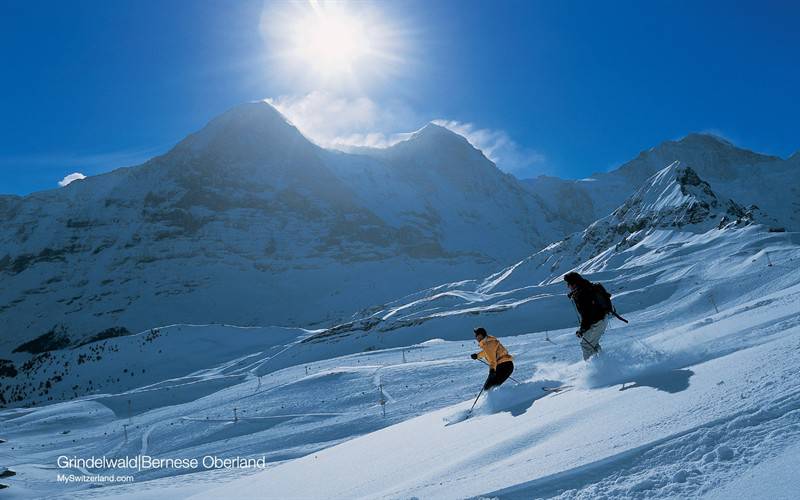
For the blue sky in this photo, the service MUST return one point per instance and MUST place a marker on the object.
(564, 88)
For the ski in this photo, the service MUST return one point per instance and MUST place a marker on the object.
(556, 389)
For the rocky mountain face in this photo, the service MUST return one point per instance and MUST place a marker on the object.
(751, 178)
(674, 200)
(248, 222)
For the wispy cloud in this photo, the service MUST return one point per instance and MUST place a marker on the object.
(75, 176)
(498, 147)
(341, 122)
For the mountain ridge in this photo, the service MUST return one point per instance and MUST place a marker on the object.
(734, 171)
(246, 221)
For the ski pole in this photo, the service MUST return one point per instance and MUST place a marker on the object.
(512, 378)
(476, 400)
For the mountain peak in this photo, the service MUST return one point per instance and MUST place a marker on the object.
(694, 142)
(676, 171)
(245, 130)
(676, 196)
(432, 128)
(435, 141)
(258, 110)
(434, 132)
(708, 147)
(705, 139)
(710, 155)
(673, 186)
(257, 117)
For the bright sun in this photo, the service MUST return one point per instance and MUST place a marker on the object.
(331, 43)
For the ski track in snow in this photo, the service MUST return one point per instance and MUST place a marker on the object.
(146, 438)
(680, 466)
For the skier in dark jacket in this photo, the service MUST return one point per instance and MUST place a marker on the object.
(584, 295)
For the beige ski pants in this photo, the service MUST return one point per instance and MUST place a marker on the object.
(590, 342)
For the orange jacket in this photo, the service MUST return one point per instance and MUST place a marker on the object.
(493, 351)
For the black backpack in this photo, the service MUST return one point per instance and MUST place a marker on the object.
(603, 301)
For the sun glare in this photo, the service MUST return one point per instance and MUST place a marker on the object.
(332, 42)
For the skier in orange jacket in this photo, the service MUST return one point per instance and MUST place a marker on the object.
(497, 357)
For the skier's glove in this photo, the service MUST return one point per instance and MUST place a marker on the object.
(579, 333)
(473, 356)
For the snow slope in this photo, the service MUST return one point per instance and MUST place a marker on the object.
(707, 364)
(678, 432)
(145, 360)
(694, 392)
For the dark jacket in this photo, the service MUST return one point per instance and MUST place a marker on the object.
(585, 299)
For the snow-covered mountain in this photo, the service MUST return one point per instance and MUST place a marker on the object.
(672, 204)
(248, 222)
(673, 198)
(672, 209)
(767, 182)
